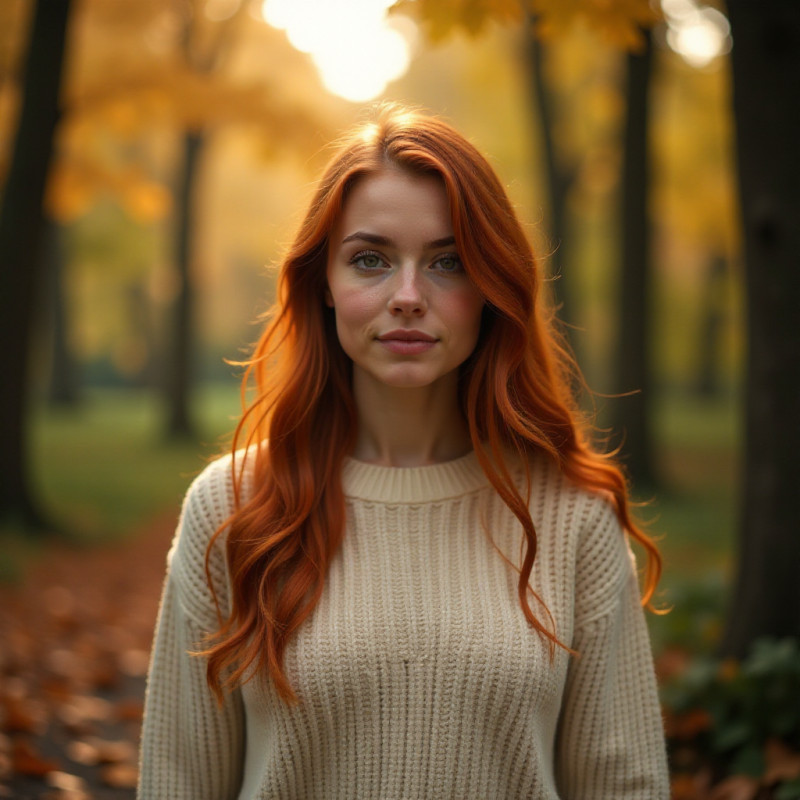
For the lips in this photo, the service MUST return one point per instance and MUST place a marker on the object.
(404, 335)
(404, 342)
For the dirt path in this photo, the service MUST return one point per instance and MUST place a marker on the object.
(74, 647)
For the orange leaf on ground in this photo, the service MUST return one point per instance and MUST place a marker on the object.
(26, 760)
(120, 776)
(134, 662)
(82, 753)
(129, 710)
(672, 661)
(688, 724)
(783, 763)
(86, 708)
(104, 674)
(683, 788)
(5, 763)
(55, 689)
(691, 786)
(60, 602)
(65, 781)
(737, 787)
(21, 715)
(66, 794)
(111, 752)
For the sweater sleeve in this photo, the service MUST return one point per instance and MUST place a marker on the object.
(191, 746)
(610, 738)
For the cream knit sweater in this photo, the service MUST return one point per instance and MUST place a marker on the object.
(417, 672)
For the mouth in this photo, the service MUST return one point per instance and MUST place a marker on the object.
(404, 335)
(403, 342)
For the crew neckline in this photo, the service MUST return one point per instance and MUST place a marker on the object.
(422, 484)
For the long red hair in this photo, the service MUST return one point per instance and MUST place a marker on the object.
(517, 395)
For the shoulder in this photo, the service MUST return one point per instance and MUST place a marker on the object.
(606, 564)
(568, 506)
(208, 503)
(585, 527)
(209, 499)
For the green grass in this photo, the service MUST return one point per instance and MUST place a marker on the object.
(695, 514)
(104, 468)
(699, 463)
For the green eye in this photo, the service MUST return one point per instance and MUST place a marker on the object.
(449, 264)
(367, 261)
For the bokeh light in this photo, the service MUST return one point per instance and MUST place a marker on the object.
(354, 45)
(697, 34)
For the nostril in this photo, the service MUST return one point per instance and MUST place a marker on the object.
(407, 306)
(407, 300)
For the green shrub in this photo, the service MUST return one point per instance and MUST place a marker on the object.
(733, 718)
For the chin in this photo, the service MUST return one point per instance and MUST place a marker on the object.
(397, 382)
(408, 378)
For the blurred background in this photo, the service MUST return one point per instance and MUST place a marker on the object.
(183, 142)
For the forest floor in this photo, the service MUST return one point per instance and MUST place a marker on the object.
(75, 638)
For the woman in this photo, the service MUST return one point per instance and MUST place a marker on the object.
(412, 581)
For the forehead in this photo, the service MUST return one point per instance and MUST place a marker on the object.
(394, 201)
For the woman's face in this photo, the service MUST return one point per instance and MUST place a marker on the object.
(406, 312)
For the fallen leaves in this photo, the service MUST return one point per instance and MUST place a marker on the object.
(26, 759)
(93, 750)
(782, 766)
(20, 714)
(66, 782)
(733, 726)
(688, 724)
(783, 763)
(66, 787)
(691, 786)
(74, 650)
(121, 776)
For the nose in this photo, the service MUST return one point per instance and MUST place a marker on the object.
(407, 296)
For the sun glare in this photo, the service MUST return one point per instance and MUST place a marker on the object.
(355, 47)
(697, 34)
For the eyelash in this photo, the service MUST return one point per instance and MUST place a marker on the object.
(364, 253)
(453, 257)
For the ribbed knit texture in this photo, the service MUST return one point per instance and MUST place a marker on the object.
(418, 674)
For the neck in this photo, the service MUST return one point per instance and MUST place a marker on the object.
(409, 427)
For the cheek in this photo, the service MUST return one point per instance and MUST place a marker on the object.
(354, 308)
(463, 310)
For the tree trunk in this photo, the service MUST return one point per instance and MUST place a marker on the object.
(62, 390)
(709, 379)
(766, 96)
(20, 262)
(179, 362)
(558, 179)
(633, 413)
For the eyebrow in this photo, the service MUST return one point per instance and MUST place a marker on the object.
(374, 238)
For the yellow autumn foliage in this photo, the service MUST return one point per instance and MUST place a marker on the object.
(70, 192)
(145, 200)
(617, 22)
(75, 185)
(692, 141)
(138, 76)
